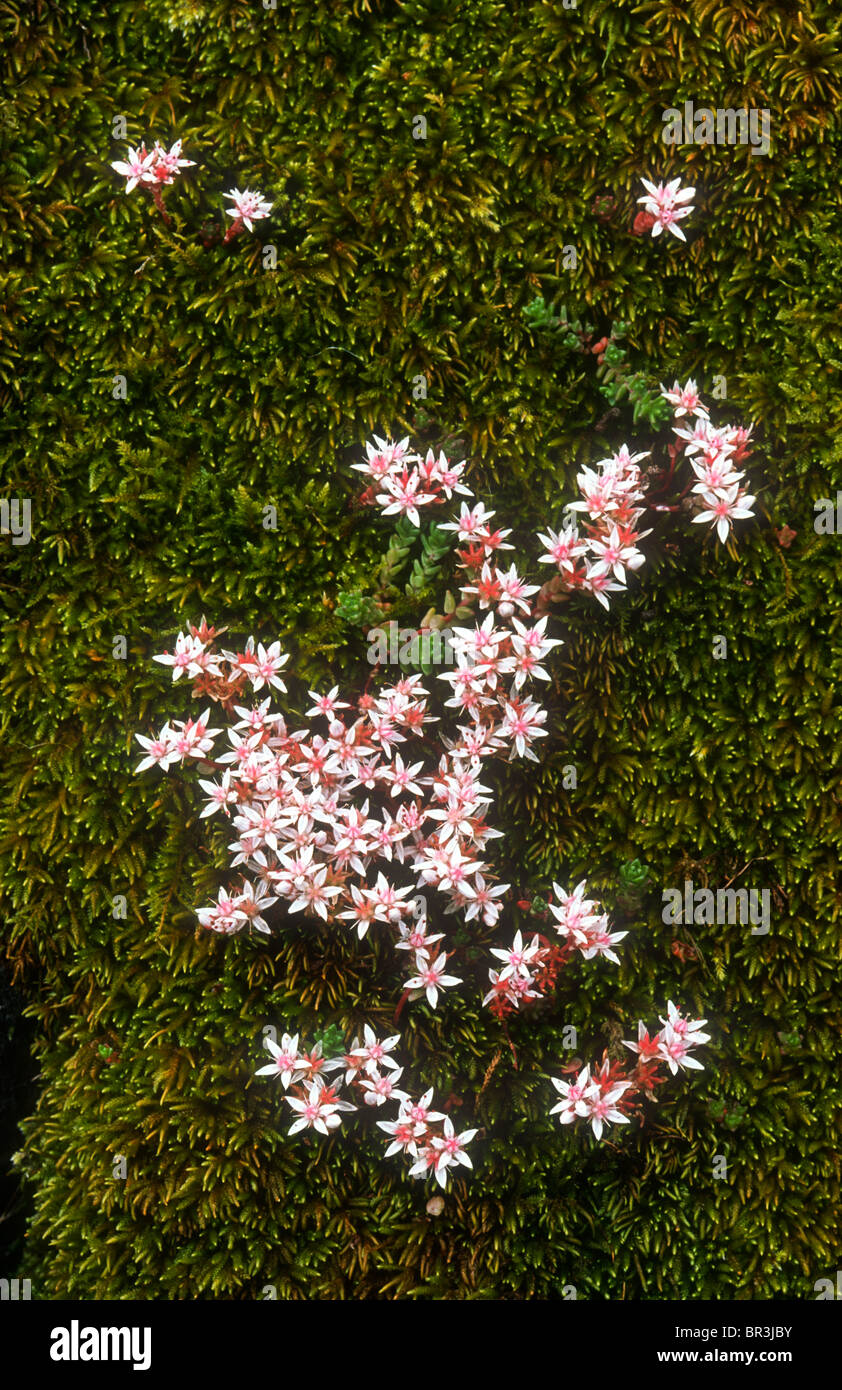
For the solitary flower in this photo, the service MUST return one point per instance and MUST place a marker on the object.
(646, 1048)
(186, 657)
(160, 751)
(571, 1093)
(266, 665)
(451, 1149)
(166, 164)
(675, 1049)
(517, 960)
(431, 978)
(402, 496)
(378, 1089)
(374, 1053)
(325, 704)
(253, 901)
(287, 1064)
(317, 1112)
(403, 1133)
(664, 204)
(685, 399)
(562, 548)
(612, 554)
(248, 208)
(724, 510)
(688, 1028)
(225, 915)
(137, 168)
(599, 1106)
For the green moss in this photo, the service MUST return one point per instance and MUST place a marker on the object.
(248, 388)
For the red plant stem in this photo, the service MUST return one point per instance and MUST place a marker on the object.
(159, 203)
(401, 1003)
(509, 1041)
(234, 230)
(662, 507)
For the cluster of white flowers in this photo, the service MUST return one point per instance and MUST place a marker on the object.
(314, 813)
(529, 971)
(158, 167)
(596, 1096)
(597, 562)
(407, 482)
(342, 825)
(599, 1096)
(713, 453)
(155, 166)
(418, 1132)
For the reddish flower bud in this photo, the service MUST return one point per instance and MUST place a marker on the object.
(643, 223)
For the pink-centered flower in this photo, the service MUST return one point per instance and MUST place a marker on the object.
(563, 547)
(676, 1050)
(286, 1062)
(187, 657)
(325, 704)
(224, 915)
(166, 164)
(375, 1053)
(316, 1112)
(722, 510)
(431, 978)
(685, 399)
(571, 1093)
(600, 1107)
(403, 497)
(522, 725)
(160, 751)
(419, 1111)
(518, 958)
(414, 938)
(483, 904)
(253, 901)
(612, 555)
(136, 167)
(403, 1133)
(450, 1148)
(688, 1028)
(380, 1088)
(249, 206)
(666, 203)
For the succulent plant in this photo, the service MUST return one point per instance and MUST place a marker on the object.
(332, 1040)
(357, 608)
(635, 880)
